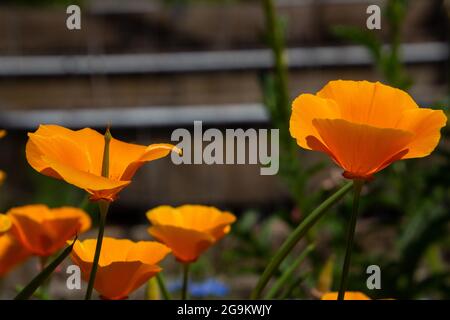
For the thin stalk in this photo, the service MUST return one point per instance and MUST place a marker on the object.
(184, 289)
(358, 184)
(287, 275)
(162, 287)
(292, 286)
(296, 236)
(276, 39)
(152, 291)
(45, 286)
(103, 208)
(85, 203)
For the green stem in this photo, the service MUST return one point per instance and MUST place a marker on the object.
(45, 286)
(184, 290)
(28, 291)
(296, 236)
(292, 286)
(85, 203)
(276, 39)
(103, 206)
(287, 275)
(162, 286)
(358, 184)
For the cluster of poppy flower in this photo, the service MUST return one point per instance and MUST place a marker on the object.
(362, 126)
(76, 157)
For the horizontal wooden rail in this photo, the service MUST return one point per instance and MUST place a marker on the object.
(136, 116)
(85, 65)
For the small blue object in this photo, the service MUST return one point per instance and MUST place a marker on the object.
(209, 288)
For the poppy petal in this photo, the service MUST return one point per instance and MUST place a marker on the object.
(371, 103)
(139, 252)
(349, 295)
(89, 182)
(187, 245)
(123, 264)
(59, 148)
(2, 177)
(5, 223)
(150, 153)
(306, 108)
(426, 125)
(44, 231)
(12, 253)
(360, 149)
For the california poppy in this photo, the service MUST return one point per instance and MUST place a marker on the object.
(77, 157)
(349, 295)
(123, 267)
(190, 229)
(12, 253)
(5, 223)
(364, 126)
(44, 231)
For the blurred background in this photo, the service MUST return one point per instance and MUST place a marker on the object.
(149, 67)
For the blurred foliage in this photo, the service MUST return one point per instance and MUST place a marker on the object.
(277, 100)
(408, 203)
(412, 196)
(81, 2)
(415, 191)
(410, 199)
(387, 59)
(255, 242)
(209, 2)
(42, 2)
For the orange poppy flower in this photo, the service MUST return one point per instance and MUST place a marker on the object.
(77, 157)
(190, 229)
(123, 267)
(349, 295)
(364, 126)
(11, 253)
(2, 177)
(43, 231)
(5, 223)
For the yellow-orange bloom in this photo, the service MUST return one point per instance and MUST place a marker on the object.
(2, 177)
(77, 157)
(5, 223)
(190, 229)
(349, 295)
(44, 231)
(11, 253)
(123, 267)
(364, 126)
